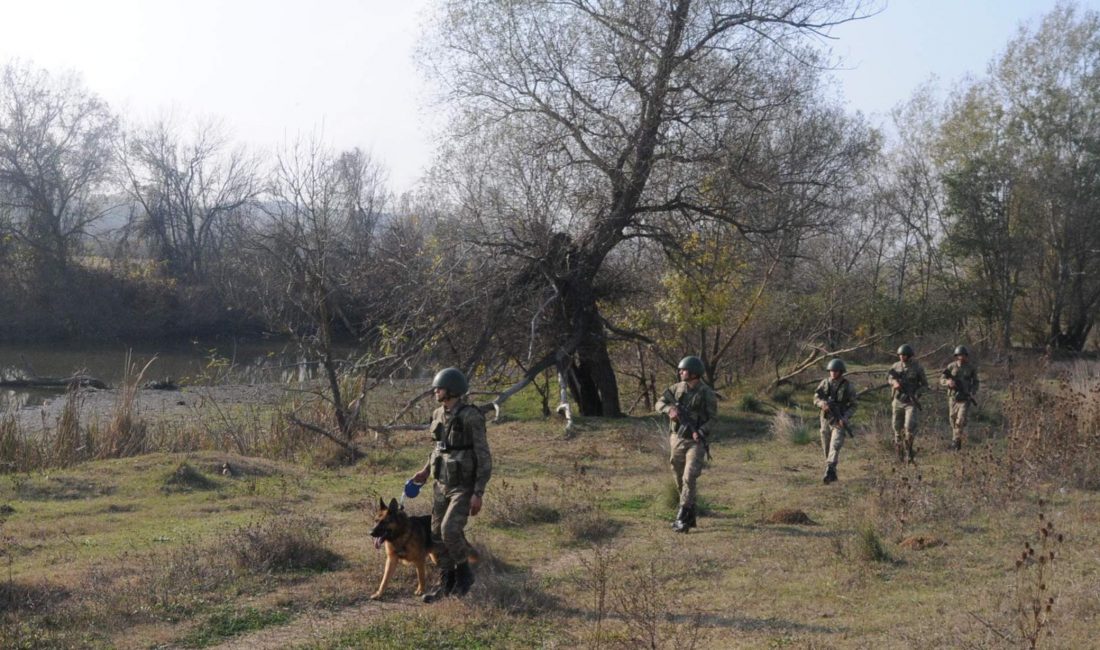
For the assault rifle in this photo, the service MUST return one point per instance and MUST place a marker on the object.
(904, 388)
(960, 394)
(689, 427)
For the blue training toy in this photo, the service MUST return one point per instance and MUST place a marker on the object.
(412, 488)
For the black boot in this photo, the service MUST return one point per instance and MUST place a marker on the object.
(678, 523)
(830, 474)
(447, 579)
(910, 453)
(464, 579)
(685, 519)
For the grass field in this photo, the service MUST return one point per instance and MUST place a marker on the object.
(209, 549)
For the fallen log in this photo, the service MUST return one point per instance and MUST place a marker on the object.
(83, 381)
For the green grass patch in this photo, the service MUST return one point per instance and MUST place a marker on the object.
(227, 623)
(636, 503)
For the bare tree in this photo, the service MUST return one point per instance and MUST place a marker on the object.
(638, 113)
(188, 187)
(55, 158)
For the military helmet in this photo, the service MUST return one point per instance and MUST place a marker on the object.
(692, 364)
(905, 349)
(452, 380)
(961, 349)
(837, 364)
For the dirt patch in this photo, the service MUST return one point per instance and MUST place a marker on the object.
(921, 542)
(789, 516)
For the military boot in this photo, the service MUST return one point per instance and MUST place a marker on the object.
(956, 444)
(689, 519)
(678, 523)
(464, 579)
(910, 453)
(899, 451)
(683, 520)
(830, 475)
(447, 579)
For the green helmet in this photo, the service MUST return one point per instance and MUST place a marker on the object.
(906, 349)
(961, 349)
(694, 365)
(452, 380)
(837, 364)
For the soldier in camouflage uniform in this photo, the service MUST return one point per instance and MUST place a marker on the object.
(690, 405)
(461, 465)
(836, 397)
(960, 377)
(907, 379)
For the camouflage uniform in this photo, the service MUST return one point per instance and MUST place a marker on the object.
(958, 398)
(905, 411)
(461, 465)
(843, 393)
(687, 455)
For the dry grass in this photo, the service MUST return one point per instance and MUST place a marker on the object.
(585, 559)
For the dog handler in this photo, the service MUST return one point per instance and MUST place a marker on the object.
(690, 405)
(461, 465)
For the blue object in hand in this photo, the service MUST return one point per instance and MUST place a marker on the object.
(412, 488)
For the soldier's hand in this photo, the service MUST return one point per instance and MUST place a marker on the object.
(824, 407)
(475, 505)
(674, 413)
(950, 383)
(421, 477)
(696, 437)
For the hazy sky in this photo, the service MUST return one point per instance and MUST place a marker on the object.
(275, 68)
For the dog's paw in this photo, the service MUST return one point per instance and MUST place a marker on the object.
(376, 595)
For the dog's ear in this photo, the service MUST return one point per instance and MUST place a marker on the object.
(381, 504)
(393, 504)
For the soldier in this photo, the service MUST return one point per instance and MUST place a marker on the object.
(960, 377)
(461, 465)
(690, 405)
(906, 378)
(836, 397)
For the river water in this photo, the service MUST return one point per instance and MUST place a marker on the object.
(190, 362)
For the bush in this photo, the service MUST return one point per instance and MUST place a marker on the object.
(750, 404)
(869, 546)
(289, 543)
(522, 506)
(791, 427)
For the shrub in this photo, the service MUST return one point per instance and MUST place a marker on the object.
(792, 427)
(289, 543)
(750, 404)
(515, 506)
(869, 546)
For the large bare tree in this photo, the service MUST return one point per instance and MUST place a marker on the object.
(55, 157)
(586, 123)
(188, 187)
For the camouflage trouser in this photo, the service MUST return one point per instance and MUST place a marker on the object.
(450, 510)
(905, 422)
(958, 415)
(832, 439)
(687, 464)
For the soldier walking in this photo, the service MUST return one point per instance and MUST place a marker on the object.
(690, 404)
(461, 465)
(836, 397)
(907, 379)
(960, 377)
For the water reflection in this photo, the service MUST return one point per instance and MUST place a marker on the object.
(187, 363)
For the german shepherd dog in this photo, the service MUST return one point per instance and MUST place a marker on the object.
(407, 540)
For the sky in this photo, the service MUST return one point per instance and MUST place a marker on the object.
(272, 70)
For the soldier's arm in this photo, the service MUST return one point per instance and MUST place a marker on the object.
(667, 401)
(849, 400)
(819, 396)
(710, 410)
(475, 422)
(946, 376)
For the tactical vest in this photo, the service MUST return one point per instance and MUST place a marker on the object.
(454, 463)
